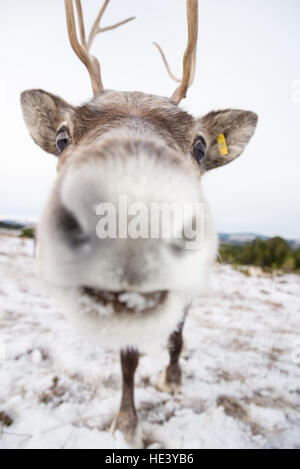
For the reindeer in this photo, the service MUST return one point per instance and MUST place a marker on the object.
(147, 147)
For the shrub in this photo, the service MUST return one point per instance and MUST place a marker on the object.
(273, 253)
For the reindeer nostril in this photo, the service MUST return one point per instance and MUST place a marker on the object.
(177, 247)
(68, 224)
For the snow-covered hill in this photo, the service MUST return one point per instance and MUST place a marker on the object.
(241, 369)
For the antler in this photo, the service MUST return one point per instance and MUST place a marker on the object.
(189, 58)
(82, 48)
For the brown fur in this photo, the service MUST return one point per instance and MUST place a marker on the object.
(133, 110)
(45, 113)
(173, 370)
(237, 126)
(126, 420)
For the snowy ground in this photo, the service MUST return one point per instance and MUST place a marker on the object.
(241, 377)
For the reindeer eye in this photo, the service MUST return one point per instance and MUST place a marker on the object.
(62, 139)
(199, 149)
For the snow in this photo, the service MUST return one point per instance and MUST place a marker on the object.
(88, 304)
(139, 302)
(241, 386)
(131, 300)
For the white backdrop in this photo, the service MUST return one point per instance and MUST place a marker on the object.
(248, 57)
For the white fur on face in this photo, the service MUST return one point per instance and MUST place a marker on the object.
(140, 329)
(105, 264)
(126, 143)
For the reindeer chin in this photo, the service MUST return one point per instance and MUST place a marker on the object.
(101, 323)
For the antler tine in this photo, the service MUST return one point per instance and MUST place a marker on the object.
(116, 25)
(95, 26)
(96, 29)
(193, 68)
(166, 62)
(189, 58)
(81, 23)
(80, 50)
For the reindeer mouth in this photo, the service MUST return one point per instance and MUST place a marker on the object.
(126, 302)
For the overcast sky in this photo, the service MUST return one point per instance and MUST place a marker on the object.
(248, 58)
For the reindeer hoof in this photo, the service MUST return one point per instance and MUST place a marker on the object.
(170, 381)
(129, 426)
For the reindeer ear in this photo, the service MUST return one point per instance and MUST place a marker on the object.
(44, 114)
(226, 133)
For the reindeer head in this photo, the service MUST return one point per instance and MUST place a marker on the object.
(143, 147)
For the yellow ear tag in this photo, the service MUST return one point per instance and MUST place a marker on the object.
(222, 145)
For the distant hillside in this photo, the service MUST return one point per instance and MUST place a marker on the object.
(241, 238)
(16, 227)
(234, 239)
(12, 224)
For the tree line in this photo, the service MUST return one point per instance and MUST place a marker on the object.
(273, 253)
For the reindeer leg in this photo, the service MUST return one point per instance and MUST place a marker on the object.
(126, 421)
(170, 380)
